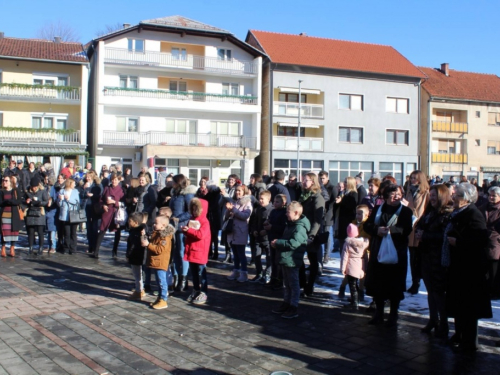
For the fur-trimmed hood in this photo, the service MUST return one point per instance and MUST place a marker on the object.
(190, 189)
(168, 231)
(357, 244)
(244, 200)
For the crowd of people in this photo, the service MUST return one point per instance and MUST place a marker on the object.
(449, 232)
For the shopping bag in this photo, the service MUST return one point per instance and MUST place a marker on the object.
(387, 253)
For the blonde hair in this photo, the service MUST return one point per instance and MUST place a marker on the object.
(315, 187)
(295, 206)
(165, 211)
(422, 181)
(350, 184)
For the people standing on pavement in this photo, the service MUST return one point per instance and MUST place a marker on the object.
(275, 226)
(90, 196)
(52, 215)
(278, 187)
(136, 253)
(261, 213)
(34, 202)
(10, 219)
(373, 198)
(345, 209)
(329, 209)
(211, 193)
(293, 186)
(227, 195)
(146, 200)
(360, 187)
(68, 200)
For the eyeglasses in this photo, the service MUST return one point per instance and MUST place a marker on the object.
(6, 180)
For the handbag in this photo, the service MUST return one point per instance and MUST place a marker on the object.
(19, 208)
(227, 225)
(121, 215)
(387, 253)
(77, 216)
(321, 238)
(33, 212)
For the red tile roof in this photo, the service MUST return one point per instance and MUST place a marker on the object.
(462, 85)
(335, 54)
(42, 50)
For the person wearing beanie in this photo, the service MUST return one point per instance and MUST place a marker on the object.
(34, 202)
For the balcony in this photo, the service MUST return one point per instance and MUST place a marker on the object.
(40, 93)
(180, 95)
(290, 144)
(292, 109)
(29, 136)
(167, 60)
(114, 138)
(438, 157)
(450, 127)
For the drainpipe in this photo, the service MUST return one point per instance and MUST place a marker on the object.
(429, 146)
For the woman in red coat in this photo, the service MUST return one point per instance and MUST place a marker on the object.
(197, 245)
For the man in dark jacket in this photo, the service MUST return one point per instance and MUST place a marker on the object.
(278, 187)
(360, 188)
(329, 205)
(23, 180)
(293, 187)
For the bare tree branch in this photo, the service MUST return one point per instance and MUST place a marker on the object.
(60, 29)
(109, 29)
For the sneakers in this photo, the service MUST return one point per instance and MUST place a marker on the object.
(256, 279)
(192, 296)
(243, 277)
(161, 304)
(45, 250)
(155, 302)
(201, 299)
(233, 275)
(282, 308)
(264, 280)
(290, 313)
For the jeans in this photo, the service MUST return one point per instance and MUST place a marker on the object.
(329, 244)
(137, 272)
(181, 266)
(199, 273)
(31, 235)
(51, 238)
(147, 275)
(263, 249)
(161, 279)
(239, 257)
(292, 287)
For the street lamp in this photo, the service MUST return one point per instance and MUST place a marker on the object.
(298, 129)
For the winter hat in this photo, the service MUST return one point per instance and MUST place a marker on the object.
(352, 231)
(35, 181)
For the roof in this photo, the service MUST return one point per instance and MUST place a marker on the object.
(334, 54)
(40, 49)
(34, 150)
(462, 85)
(183, 23)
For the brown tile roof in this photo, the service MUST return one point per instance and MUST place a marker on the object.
(42, 50)
(184, 23)
(462, 85)
(335, 54)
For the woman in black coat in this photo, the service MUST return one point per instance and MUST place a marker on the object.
(10, 220)
(90, 196)
(465, 254)
(211, 193)
(388, 281)
(35, 200)
(346, 209)
(430, 234)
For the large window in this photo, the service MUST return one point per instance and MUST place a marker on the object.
(393, 169)
(398, 105)
(350, 135)
(292, 98)
(397, 137)
(225, 128)
(289, 131)
(230, 89)
(49, 121)
(136, 45)
(127, 124)
(493, 148)
(224, 54)
(125, 162)
(55, 80)
(130, 82)
(290, 166)
(340, 170)
(494, 118)
(352, 102)
(178, 86)
(179, 54)
(180, 126)
(171, 165)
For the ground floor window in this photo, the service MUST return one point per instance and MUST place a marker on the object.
(290, 166)
(125, 162)
(340, 170)
(394, 169)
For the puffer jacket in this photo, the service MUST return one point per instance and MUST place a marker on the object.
(159, 248)
(241, 212)
(179, 204)
(353, 260)
(197, 241)
(35, 216)
(135, 252)
(293, 244)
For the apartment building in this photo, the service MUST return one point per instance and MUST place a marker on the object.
(177, 93)
(359, 109)
(43, 100)
(460, 123)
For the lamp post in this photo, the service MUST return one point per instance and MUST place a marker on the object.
(298, 130)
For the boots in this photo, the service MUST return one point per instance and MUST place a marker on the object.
(393, 315)
(355, 299)
(216, 254)
(179, 282)
(184, 283)
(228, 258)
(4, 253)
(243, 277)
(12, 252)
(30, 250)
(234, 275)
(431, 324)
(442, 330)
(172, 286)
(378, 318)
(342, 291)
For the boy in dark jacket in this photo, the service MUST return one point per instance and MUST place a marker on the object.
(291, 248)
(275, 226)
(135, 253)
(260, 235)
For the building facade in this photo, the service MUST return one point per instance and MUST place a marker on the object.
(43, 100)
(359, 109)
(460, 123)
(177, 93)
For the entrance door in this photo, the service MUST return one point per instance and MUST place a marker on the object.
(195, 175)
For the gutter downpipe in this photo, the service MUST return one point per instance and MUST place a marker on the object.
(429, 153)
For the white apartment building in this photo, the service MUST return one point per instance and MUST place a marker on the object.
(177, 93)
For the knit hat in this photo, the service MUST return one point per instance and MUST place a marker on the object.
(352, 231)
(35, 181)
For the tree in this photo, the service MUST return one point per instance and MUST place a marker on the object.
(60, 29)
(109, 29)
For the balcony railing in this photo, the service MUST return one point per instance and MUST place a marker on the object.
(177, 139)
(292, 109)
(36, 136)
(161, 59)
(180, 95)
(450, 127)
(290, 143)
(438, 157)
(36, 92)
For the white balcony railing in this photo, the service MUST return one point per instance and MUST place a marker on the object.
(180, 95)
(290, 144)
(177, 139)
(292, 109)
(34, 136)
(39, 92)
(161, 59)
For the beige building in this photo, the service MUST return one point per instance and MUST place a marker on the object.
(460, 124)
(43, 100)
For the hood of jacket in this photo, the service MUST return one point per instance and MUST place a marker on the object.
(203, 204)
(168, 231)
(244, 200)
(304, 222)
(190, 189)
(357, 244)
(260, 185)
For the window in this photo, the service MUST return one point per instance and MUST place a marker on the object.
(1, 119)
(127, 124)
(225, 128)
(136, 45)
(125, 162)
(288, 131)
(48, 121)
(179, 54)
(493, 148)
(36, 122)
(230, 89)
(352, 102)
(477, 142)
(410, 167)
(62, 81)
(398, 105)
(494, 118)
(292, 98)
(42, 79)
(224, 54)
(178, 86)
(350, 135)
(393, 169)
(339, 170)
(180, 126)
(129, 82)
(478, 114)
(290, 166)
(397, 137)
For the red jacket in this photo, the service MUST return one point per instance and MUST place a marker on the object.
(197, 241)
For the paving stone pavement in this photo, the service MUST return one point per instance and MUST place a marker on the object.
(69, 314)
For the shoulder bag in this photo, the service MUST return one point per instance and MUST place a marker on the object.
(76, 215)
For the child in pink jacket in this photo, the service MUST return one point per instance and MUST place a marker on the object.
(352, 262)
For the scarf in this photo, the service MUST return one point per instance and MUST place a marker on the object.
(203, 191)
(305, 196)
(445, 253)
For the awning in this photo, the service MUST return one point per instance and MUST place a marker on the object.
(46, 151)
(295, 90)
(292, 125)
(490, 169)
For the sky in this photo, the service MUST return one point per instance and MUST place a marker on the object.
(463, 33)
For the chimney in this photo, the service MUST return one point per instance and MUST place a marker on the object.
(126, 25)
(445, 68)
(1, 34)
(57, 39)
(303, 34)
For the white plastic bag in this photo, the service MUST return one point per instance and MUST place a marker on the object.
(121, 215)
(387, 253)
